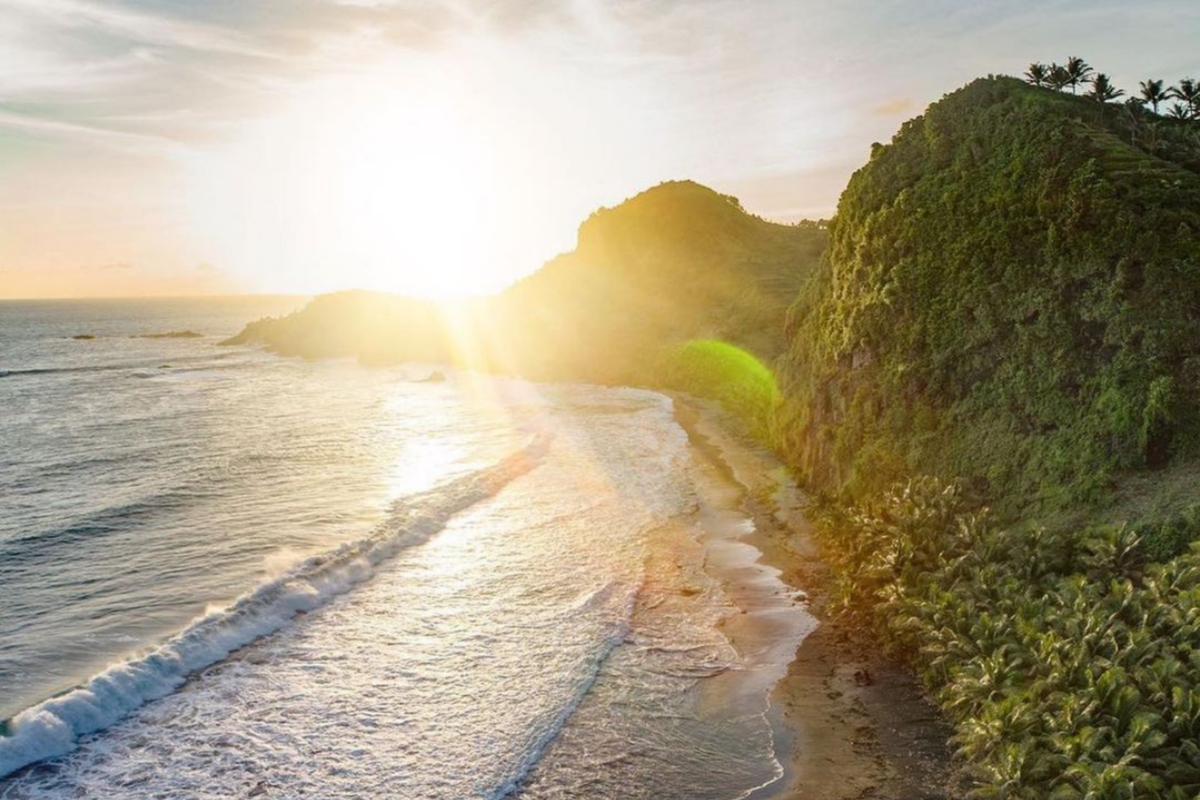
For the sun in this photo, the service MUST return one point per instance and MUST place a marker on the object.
(415, 191)
(379, 182)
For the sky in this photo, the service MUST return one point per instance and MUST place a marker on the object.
(173, 147)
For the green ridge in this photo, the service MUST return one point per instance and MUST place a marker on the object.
(1012, 297)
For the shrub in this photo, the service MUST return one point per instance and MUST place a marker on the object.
(1069, 665)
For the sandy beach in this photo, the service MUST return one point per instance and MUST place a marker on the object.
(850, 723)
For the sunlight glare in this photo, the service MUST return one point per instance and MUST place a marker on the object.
(383, 182)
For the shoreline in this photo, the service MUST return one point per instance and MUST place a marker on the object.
(848, 722)
(767, 619)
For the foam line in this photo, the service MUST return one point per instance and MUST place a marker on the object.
(537, 747)
(52, 728)
(4, 373)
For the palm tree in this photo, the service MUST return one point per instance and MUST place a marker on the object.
(1037, 74)
(1078, 72)
(1153, 93)
(1180, 111)
(1103, 90)
(1188, 91)
(1059, 78)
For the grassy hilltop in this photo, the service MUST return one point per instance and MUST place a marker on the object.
(677, 264)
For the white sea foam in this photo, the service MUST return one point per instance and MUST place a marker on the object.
(51, 728)
(537, 747)
(555, 639)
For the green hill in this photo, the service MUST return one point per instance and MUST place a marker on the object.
(678, 263)
(1008, 312)
(1011, 296)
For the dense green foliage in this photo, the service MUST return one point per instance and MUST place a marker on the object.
(1011, 301)
(1070, 665)
(675, 263)
(1151, 95)
(1011, 296)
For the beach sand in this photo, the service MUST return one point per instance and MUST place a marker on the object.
(850, 723)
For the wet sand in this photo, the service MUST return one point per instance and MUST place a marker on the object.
(850, 723)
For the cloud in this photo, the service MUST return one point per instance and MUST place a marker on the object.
(114, 71)
(895, 108)
(138, 26)
(115, 265)
(107, 105)
(140, 143)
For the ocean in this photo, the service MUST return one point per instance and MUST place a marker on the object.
(230, 574)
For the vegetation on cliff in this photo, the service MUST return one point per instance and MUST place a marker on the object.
(1069, 663)
(1009, 310)
(1152, 93)
(1012, 297)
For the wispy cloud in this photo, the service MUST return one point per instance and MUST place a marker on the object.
(115, 70)
(139, 27)
(900, 106)
(139, 143)
(774, 100)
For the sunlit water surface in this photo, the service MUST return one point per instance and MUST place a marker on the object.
(474, 588)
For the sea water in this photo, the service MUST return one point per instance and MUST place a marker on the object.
(230, 574)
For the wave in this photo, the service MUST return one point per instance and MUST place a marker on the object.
(538, 746)
(138, 365)
(40, 547)
(52, 728)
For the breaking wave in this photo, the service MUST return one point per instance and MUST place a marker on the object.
(52, 728)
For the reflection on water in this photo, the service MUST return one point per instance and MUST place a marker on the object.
(561, 636)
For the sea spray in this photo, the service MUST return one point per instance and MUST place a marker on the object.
(52, 728)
